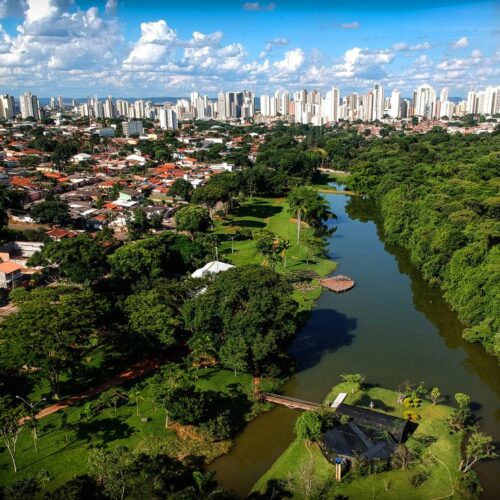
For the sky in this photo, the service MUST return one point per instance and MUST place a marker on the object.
(145, 48)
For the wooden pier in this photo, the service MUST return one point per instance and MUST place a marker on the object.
(338, 283)
(294, 403)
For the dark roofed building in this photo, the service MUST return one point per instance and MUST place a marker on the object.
(368, 434)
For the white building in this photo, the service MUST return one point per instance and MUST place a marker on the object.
(132, 128)
(29, 106)
(425, 101)
(168, 119)
(394, 110)
(6, 106)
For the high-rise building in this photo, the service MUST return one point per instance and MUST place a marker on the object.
(394, 110)
(471, 103)
(7, 107)
(60, 103)
(30, 106)
(221, 106)
(425, 101)
(132, 128)
(168, 119)
(378, 102)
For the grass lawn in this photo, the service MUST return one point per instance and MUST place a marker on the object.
(443, 455)
(64, 454)
(271, 214)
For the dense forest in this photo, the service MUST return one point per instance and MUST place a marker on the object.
(439, 196)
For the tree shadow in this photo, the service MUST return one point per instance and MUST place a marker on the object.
(257, 209)
(104, 429)
(249, 223)
(365, 401)
(326, 331)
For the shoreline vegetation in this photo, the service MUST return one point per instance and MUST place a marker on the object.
(432, 470)
(132, 417)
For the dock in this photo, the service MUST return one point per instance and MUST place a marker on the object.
(338, 283)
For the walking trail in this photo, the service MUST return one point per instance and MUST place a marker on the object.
(137, 370)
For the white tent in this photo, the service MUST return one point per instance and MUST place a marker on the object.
(214, 267)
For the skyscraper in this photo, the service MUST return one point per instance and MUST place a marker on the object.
(394, 110)
(6, 106)
(425, 101)
(378, 102)
(30, 106)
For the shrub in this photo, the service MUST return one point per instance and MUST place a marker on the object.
(411, 415)
(419, 477)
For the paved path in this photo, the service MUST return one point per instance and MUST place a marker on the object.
(136, 370)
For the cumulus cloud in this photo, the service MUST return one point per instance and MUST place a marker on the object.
(12, 8)
(256, 6)
(111, 7)
(461, 43)
(275, 42)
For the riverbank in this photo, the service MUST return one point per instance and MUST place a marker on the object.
(392, 326)
(436, 456)
(271, 214)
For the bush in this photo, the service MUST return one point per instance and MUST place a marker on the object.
(244, 234)
(412, 402)
(419, 477)
(411, 415)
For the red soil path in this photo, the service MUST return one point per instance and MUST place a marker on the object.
(137, 370)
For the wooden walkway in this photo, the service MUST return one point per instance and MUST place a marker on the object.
(296, 404)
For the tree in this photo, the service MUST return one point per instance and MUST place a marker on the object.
(297, 201)
(182, 189)
(306, 203)
(152, 317)
(193, 218)
(9, 426)
(250, 303)
(80, 259)
(234, 355)
(51, 211)
(164, 385)
(51, 329)
(138, 223)
(285, 245)
(309, 426)
(354, 378)
(110, 467)
(145, 260)
(463, 400)
(435, 396)
(479, 447)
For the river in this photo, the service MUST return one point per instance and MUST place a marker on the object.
(390, 327)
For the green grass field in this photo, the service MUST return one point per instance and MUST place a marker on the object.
(442, 456)
(64, 453)
(271, 214)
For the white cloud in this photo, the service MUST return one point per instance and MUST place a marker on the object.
(347, 26)
(155, 41)
(12, 8)
(111, 7)
(279, 41)
(293, 60)
(461, 43)
(256, 6)
(404, 47)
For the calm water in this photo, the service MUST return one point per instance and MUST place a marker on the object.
(390, 327)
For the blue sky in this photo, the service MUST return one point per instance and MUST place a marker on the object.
(162, 47)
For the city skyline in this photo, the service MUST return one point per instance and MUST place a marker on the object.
(133, 49)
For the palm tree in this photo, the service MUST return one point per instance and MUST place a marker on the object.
(297, 201)
(285, 245)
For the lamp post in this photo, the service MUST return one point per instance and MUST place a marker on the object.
(32, 416)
